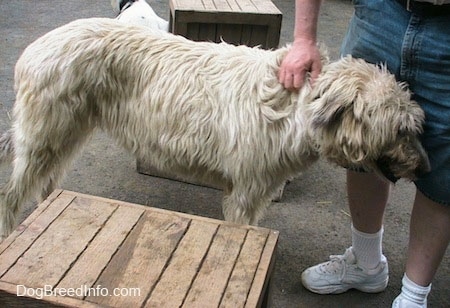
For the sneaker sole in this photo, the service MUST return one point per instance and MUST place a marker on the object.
(338, 289)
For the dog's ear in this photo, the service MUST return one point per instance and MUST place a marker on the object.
(336, 89)
(329, 114)
(411, 121)
(337, 113)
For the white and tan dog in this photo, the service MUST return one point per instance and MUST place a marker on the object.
(214, 112)
(139, 12)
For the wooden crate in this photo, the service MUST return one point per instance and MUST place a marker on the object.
(244, 22)
(96, 252)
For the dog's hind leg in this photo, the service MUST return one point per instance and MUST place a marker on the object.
(6, 147)
(38, 165)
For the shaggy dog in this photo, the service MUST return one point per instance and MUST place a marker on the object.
(139, 12)
(214, 112)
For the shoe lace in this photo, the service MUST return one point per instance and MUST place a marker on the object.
(335, 265)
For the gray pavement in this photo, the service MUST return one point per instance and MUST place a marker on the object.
(312, 216)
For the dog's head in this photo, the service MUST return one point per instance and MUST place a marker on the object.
(363, 118)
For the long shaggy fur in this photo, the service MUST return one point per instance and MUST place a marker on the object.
(210, 111)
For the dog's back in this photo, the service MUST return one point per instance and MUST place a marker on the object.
(152, 91)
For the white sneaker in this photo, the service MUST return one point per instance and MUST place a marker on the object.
(402, 302)
(342, 273)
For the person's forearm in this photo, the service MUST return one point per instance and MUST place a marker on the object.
(306, 19)
(304, 56)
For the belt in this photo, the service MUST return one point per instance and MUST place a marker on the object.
(425, 9)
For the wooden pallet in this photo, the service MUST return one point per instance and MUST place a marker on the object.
(108, 253)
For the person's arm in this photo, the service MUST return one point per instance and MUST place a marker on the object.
(304, 55)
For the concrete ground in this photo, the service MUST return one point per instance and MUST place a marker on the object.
(312, 216)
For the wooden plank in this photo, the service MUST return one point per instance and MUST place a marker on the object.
(263, 274)
(207, 32)
(222, 6)
(259, 36)
(267, 6)
(222, 17)
(192, 33)
(273, 34)
(244, 271)
(45, 216)
(192, 5)
(180, 28)
(234, 5)
(246, 35)
(97, 255)
(210, 283)
(247, 6)
(51, 255)
(186, 261)
(141, 259)
(207, 5)
(230, 33)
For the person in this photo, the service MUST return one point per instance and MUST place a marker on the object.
(413, 39)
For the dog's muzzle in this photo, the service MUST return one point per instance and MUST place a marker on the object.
(383, 165)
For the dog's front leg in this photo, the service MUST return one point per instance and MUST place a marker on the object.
(243, 207)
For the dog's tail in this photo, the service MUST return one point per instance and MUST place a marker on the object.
(6, 147)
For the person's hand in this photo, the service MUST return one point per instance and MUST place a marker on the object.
(303, 57)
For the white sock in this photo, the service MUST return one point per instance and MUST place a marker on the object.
(413, 292)
(367, 248)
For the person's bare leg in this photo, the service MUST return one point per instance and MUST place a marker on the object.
(367, 198)
(429, 239)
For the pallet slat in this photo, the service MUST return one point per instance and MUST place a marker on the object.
(185, 264)
(207, 289)
(245, 269)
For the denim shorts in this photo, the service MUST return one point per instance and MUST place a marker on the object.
(416, 48)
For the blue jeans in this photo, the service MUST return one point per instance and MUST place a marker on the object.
(416, 49)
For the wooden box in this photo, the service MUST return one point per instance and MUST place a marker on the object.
(240, 22)
(77, 250)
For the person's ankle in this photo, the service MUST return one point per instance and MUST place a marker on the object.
(413, 292)
(367, 248)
